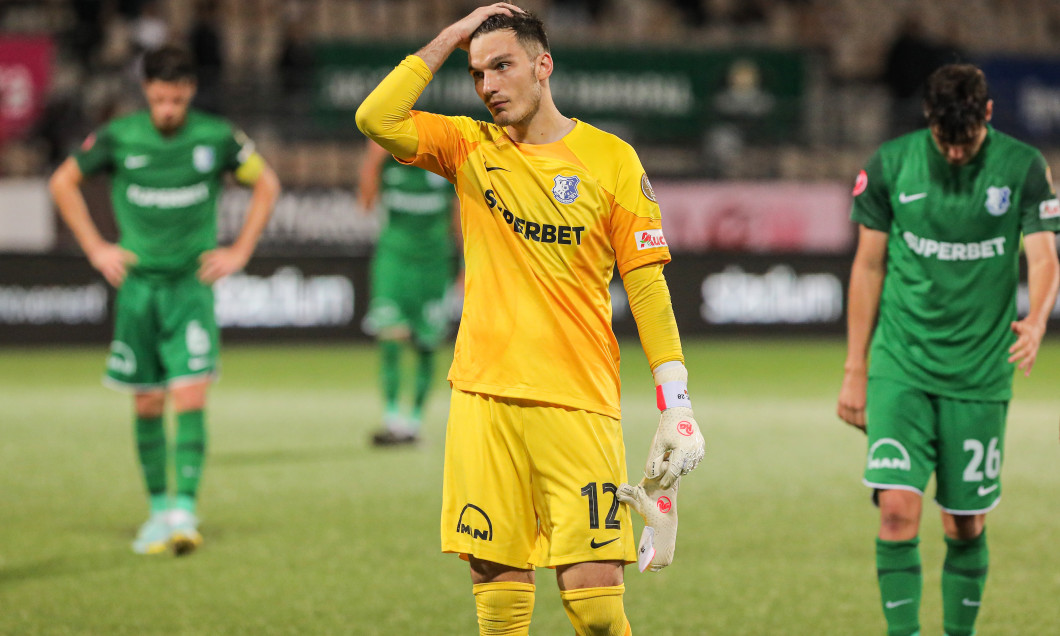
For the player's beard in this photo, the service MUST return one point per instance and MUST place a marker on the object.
(533, 104)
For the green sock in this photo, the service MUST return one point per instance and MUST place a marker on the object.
(898, 572)
(189, 455)
(390, 373)
(424, 375)
(151, 447)
(963, 580)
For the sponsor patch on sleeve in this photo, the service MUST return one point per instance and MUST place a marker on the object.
(89, 142)
(648, 239)
(1049, 209)
(861, 183)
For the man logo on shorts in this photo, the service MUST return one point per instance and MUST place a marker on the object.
(889, 453)
(197, 339)
(475, 522)
(122, 360)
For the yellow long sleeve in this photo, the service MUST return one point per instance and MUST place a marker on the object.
(649, 300)
(384, 117)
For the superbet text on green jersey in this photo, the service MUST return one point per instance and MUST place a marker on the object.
(165, 188)
(949, 294)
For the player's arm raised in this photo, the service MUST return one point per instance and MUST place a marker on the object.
(109, 259)
(384, 115)
(866, 284)
(220, 262)
(1043, 278)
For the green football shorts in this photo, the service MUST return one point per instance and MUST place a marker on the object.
(409, 294)
(165, 332)
(913, 434)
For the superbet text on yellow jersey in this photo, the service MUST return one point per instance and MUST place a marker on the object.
(544, 226)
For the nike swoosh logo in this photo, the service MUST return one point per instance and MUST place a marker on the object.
(909, 198)
(132, 162)
(894, 604)
(594, 545)
(967, 602)
(492, 168)
(983, 491)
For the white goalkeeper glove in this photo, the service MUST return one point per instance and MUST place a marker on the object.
(678, 446)
(658, 506)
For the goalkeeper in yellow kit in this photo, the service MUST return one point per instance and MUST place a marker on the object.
(534, 461)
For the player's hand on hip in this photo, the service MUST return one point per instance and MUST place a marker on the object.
(112, 261)
(676, 449)
(1028, 339)
(658, 507)
(462, 29)
(852, 400)
(217, 263)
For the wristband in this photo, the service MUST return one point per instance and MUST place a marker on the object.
(671, 386)
(672, 394)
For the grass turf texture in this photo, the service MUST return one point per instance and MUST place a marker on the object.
(309, 530)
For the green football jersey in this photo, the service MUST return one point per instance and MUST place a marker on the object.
(952, 259)
(164, 189)
(419, 212)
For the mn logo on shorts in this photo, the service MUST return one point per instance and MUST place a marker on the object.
(475, 522)
(889, 453)
(197, 340)
(122, 359)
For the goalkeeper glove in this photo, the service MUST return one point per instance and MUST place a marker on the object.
(658, 506)
(678, 446)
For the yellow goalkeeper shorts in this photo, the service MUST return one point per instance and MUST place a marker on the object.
(529, 485)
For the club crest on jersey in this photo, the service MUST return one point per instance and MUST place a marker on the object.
(998, 200)
(566, 188)
(202, 157)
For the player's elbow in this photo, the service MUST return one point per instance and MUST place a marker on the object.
(62, 181)
(368, 121)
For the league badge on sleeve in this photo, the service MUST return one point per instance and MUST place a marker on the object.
(566, 188)
(861, 183)
(646, 189)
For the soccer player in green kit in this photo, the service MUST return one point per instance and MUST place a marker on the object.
(166, 165)
(411, 273)
(941, 213)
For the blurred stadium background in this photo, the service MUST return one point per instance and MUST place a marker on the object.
(751, 116)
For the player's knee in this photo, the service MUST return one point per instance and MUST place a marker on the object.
(504, 608)
(596, 611)
(151, 404)
(963, 527)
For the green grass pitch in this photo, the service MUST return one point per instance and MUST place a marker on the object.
(311, 531)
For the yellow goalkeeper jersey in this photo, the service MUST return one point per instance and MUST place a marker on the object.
(544, 226)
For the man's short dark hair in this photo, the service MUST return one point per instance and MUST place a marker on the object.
(955, 102)
(169, 64)
(529, 29)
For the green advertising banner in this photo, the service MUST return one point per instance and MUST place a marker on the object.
(663, 95)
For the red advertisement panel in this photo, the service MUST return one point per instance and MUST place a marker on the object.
(774, 216)
(25, 72)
